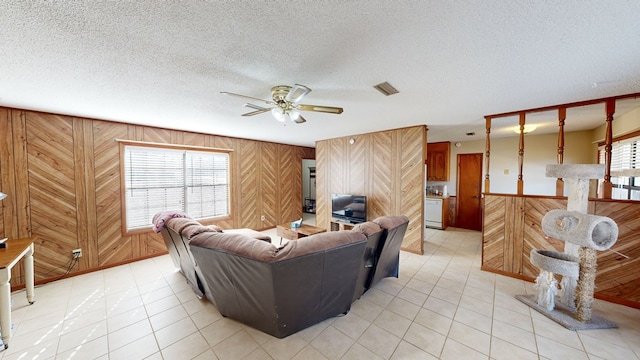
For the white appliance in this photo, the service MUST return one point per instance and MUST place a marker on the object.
(433, 213)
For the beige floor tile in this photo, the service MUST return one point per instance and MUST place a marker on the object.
(351, 325)
(82, 336)
(168, 317)
(454, 350)
(129, 334)
(470, 337)
(404, 308)
(503, 350)
(393, 323)
(442, 306)
(409, 351)
(236, 346)
(474, 320)
(555, 350)
(514, 335)
(187, 348)
(359, 352)
(284, 348)
(379, 341)
(331, 343)
(425, 339)
(179, 330)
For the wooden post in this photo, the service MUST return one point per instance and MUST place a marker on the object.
(521, 155)
(607, 187)
(487, 181)
(562, 115)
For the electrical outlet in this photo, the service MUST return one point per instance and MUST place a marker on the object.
(76, 253)
(263, 218)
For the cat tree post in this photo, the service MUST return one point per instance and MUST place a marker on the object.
(583, 234)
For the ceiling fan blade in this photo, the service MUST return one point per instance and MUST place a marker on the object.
(247, 97)
(263, 110)
(300, 120)
(297, 93)
(320, 108)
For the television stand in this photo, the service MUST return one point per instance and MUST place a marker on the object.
(339, 224)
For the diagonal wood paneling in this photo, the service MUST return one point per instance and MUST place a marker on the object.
(113, 246)
(248, 183)
(268, 185)
(52, 193)
(617, 275)
(493, 232)
(412, 143)
(357, 165)
(323, 195)
(382, 175)
(534, 237)
(290, 188)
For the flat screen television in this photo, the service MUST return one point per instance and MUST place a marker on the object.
(352, 208)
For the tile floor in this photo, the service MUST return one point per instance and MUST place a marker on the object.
(441, 307)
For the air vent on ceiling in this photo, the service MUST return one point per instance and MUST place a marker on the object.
(386, 89)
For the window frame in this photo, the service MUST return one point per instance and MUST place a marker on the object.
(123, 196)
(634, 184)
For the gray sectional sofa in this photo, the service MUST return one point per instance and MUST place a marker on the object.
(282, 290)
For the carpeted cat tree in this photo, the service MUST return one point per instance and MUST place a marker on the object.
(583, 235)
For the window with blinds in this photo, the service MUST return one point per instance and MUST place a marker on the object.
(625, 168)
(161, 179)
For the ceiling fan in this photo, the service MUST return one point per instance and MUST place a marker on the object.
(285, 104)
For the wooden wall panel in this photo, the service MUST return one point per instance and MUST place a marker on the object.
(289, 192)
(62, 177)
(269, 185)
(534, 237)
(382, 176)
(493, 232)
(617, 277)
(387, 167)
(113, 247)
(248, 168)
(412, 187)
(52, 194)
(617, 274)
(357, 165)
(323, 183)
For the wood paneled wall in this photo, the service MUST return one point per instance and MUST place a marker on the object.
(512, 228)
(62, 177)
(386, 166)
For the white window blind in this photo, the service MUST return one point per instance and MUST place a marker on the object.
(159, 179)
(625, 168)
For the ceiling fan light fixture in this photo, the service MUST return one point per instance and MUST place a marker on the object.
(294, 114)
(278, 114)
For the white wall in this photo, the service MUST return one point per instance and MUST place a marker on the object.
(540, 150)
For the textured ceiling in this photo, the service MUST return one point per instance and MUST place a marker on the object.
(164, 63)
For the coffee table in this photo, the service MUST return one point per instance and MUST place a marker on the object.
(285, 231)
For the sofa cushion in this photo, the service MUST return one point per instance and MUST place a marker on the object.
(367, 228)
(390, 222)
(263, 251)
(316, 243)
(179, 224)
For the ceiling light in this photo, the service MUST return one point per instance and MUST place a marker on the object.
(294, 114)
(278, 114)
(527, 129)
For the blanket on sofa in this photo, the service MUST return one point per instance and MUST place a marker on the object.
(160, 218)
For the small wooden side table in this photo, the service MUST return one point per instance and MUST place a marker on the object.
(15, 250)
(285, 231)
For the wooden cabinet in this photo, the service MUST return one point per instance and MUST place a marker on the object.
(438, 161)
